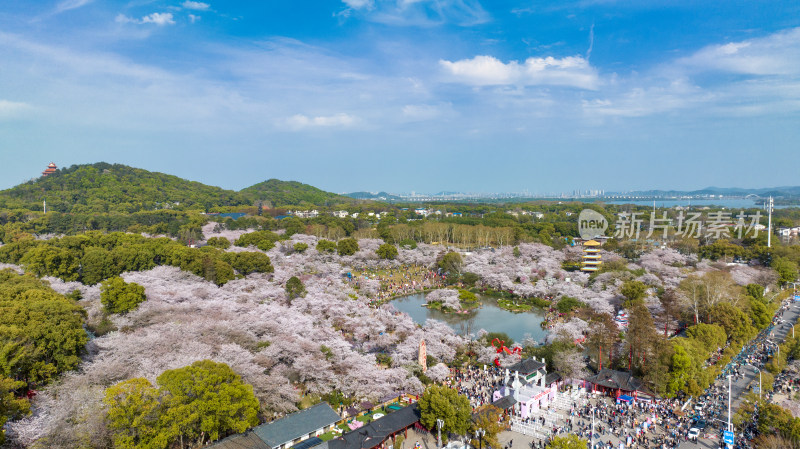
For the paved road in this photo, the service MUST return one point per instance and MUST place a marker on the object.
(739, 387)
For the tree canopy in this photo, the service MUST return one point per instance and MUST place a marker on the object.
(118, 296)
(41, 331)
(94, 257)
(192, 405)
(104, 187)
(347, 247)
(568, 442)
(440, 402)
(387, 251)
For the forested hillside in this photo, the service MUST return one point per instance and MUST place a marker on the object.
(104, 187)
(292, 193)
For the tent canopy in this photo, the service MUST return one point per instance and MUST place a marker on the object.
(625, 398)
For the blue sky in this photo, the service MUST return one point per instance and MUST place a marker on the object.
(407, 95)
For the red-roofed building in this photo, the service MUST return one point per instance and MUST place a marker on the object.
(50, 169)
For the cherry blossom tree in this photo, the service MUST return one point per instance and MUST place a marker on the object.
(447, 297)
(438, 372)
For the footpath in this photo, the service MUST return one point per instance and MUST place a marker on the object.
(739, 387)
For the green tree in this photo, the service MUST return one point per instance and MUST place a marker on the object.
(451, 263)
(295, 288)
(736, 324)
(787, 270)
(440, 402)
(567, 304)
(300, 247)
(488, 419)
(219, 242)
(709, 336)
(568, 442)
(263, 240)
(10, 407)
(408, 244)
(641, 338)
(205, 400)
(760, 315)
(133, 414)
(326, 246)
(41, 332)
(633, 291)
(467, 296)
(96, 265)
(191, 406)
(294, 226)
(249, 262)
(48, 260)
(755, 290)
(386, 251)
(347, 247)
(118, 296)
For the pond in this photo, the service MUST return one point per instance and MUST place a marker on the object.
(490, 317)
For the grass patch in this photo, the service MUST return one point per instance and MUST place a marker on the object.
(514, 306)
(307, 401)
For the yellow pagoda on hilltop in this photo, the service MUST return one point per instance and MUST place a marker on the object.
(591, 256)
(51, 168)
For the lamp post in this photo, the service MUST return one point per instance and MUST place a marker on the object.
(730, 426)
(591, 433)
(479, 435)
(439, 424)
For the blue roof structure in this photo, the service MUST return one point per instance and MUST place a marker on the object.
(297, 425)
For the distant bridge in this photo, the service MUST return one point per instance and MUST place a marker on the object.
(752, 196)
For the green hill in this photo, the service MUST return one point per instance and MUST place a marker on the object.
(104, 187)
(292, 193)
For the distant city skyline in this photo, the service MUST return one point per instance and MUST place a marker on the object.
(371, 95)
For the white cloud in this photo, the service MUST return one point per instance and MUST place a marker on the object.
(13, 109)
(157, 18)
(680, 94)
(197, 6)
(193, 18)
(301, 121)
(358, 4)
(418, 12)
(482, 70)
(67, 5)
(776, 54)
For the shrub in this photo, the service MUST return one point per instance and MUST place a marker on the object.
(347, 247)
(326, 246)
(295, 288)
(386, 251)
(219, 242)
(408, 244)
(118, 296)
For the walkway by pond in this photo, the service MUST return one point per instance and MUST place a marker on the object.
(489, 317)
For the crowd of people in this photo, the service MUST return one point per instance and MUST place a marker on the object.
(476, 383)
(399, 281)
(667, 423)
(553, 316)
(653, 423)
